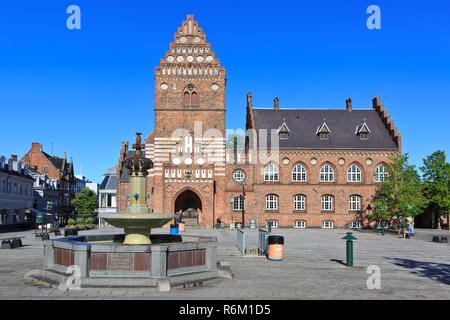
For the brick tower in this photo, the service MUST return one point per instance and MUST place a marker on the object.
(187, 144)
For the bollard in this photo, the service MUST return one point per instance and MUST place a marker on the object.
(349, 249)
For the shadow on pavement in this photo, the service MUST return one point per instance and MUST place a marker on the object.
(433, 270)
(339, 261)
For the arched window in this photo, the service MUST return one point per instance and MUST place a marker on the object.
(327, 203)
(299, 202)
(190, 95)
(381, 173)
(299, 173)
(187, 99)
(354, 173)
(326, 173)
(194, 101)
(300, 224)
(271, 202)
(271, 173)
(355, 203)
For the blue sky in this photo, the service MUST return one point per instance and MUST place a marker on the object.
(87, 90)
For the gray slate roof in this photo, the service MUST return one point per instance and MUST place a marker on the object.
(303, 124)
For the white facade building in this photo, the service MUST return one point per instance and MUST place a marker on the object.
(16, 192)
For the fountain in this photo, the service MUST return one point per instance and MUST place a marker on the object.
(137, 221)
(136, 258)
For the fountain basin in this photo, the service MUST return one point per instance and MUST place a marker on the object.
(137, 226)
(103, 261)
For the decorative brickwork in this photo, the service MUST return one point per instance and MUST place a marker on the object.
(193, 170)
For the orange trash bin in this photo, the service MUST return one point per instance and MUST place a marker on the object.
(181, 227)
(275, 248)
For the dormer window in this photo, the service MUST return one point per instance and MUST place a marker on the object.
(323, 132)
(362, 131)
(283, 131)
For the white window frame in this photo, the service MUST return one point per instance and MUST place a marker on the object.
(354, 173)
(271, 172)
(238, 175)
(326, 173)
(299, 224)
(271, 202)
(327, 224)
(237, 203)
(381, 173)
(299, 202)
(327, 202)
(299, 173)
(354, 224)
(355, 203)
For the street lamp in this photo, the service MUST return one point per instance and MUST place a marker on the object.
(243, 204)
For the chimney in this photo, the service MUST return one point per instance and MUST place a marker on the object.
(36, 146)
(249, 99)
(14, 157)
(276, 105)
(349, 104)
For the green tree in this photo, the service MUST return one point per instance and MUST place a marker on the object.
(86, 202)
(399, 195)
(436, 185)
(240, 141)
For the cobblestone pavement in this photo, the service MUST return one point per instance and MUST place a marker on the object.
(313, 268)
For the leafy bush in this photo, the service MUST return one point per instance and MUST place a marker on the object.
(71, 222)
(90, 220)
(80, 221)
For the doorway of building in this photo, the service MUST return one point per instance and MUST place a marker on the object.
(189, 203)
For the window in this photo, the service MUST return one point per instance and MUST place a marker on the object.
(354, 225)
(237, 204)
(327, 203)
(284, 135)
(381, 173)
(238, 175)
(324, 136)
(364, 136)
(354, 173)
(299, 224)
(45, 169)
(190, 95)
(274, 223)
(299, 202)
(299, 173)
(271, 202)
(355, 203)
(326, 173)
(327, 224)
(271, 173)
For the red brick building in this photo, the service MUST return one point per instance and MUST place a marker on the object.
(55, 168)
(300, 168)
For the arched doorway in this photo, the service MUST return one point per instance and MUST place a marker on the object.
(190, 205)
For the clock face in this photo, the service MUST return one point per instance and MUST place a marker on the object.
(183, 39)
(170, 59)
(209, 59)
(196, 39)
(164, 86)
(188, 161)
(200, 59)
(176, 161)
(180, 58)
(190, 58)
(214, 86)
(200, 161)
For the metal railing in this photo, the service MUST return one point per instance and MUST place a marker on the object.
(252, 242)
